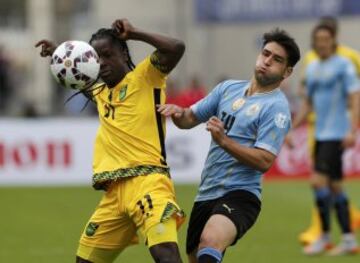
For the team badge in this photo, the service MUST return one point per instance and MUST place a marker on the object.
(91, 229)
(281, 120)
(122, 93)
(252, 110)
(238, 104)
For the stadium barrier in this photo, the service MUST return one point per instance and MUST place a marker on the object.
(59, 152)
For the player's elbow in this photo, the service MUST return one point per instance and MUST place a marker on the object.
(179, 48)
(265, 164)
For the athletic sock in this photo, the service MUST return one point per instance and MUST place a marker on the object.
(323, 202)
(209, 255)
(343, 212)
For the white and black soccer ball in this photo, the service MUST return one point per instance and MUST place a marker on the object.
(75, 64)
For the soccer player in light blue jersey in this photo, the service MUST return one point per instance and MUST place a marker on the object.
(248, 121)
(332, 86)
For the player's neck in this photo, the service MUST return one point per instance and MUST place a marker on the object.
(256, 88)
(326, 56)
(119, 79)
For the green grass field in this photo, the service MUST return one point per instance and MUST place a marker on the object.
(44, 224)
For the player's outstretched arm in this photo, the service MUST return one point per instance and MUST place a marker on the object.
(256, 158)
(47, 47)
(354, 109)
(168, 50)
(305, 110)
(182, 118)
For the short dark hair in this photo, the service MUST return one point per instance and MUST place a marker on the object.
(282, 38)
(330, 21)
(328, 28)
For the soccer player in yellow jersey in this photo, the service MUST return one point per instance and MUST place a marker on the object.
(314, 230)
(129, 153)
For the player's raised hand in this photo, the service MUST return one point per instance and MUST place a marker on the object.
(123, 28)
(47, 47)
(170, 110)
(216, 128)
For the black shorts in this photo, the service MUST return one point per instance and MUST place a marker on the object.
(241, 207)
(328, 159)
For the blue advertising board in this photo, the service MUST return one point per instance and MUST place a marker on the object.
(266, 10)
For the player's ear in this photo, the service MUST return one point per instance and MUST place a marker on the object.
(288, 72)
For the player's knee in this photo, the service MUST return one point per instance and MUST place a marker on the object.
(336, 187)
(210, 239)
(166, 253)
(81, 260)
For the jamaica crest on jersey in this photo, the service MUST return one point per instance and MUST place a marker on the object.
(122, 92)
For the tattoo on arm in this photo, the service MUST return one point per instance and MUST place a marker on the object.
(155, 60)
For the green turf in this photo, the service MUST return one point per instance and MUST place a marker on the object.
(44, 224)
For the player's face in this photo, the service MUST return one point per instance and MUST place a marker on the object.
(271, 65)
(113, 66)
(324, 43)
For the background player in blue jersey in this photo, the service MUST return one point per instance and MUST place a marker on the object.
(248, 121)
(332, 85)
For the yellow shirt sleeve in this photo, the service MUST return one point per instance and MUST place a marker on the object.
(153, 76)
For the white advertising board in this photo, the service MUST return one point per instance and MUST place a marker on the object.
(59, 151)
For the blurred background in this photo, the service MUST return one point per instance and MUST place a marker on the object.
(46, 143)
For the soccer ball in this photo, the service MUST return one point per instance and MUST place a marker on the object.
(75, 64)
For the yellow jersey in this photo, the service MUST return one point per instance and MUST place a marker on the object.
(130, 140)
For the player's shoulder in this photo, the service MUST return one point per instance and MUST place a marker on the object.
(347, 51)
(312, 63)
(309, 57)
(232, 84)
(278, 101)
(342, 61)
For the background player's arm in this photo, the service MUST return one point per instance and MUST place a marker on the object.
(182, 118)
(168, 50)
(256, 158)
(354, 103)
(305, 109)
(354, 108)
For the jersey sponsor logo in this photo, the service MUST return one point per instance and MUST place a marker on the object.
(122, 93)
(91, 229)
(238, 104)
(252, 110)
(229, 209)
(281, 120)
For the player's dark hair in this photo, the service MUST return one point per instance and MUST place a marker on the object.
(331, 22)
(113, 36)
(282, 38)
(328, 28)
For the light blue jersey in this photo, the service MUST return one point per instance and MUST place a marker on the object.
(261, 120)
(328, 85)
